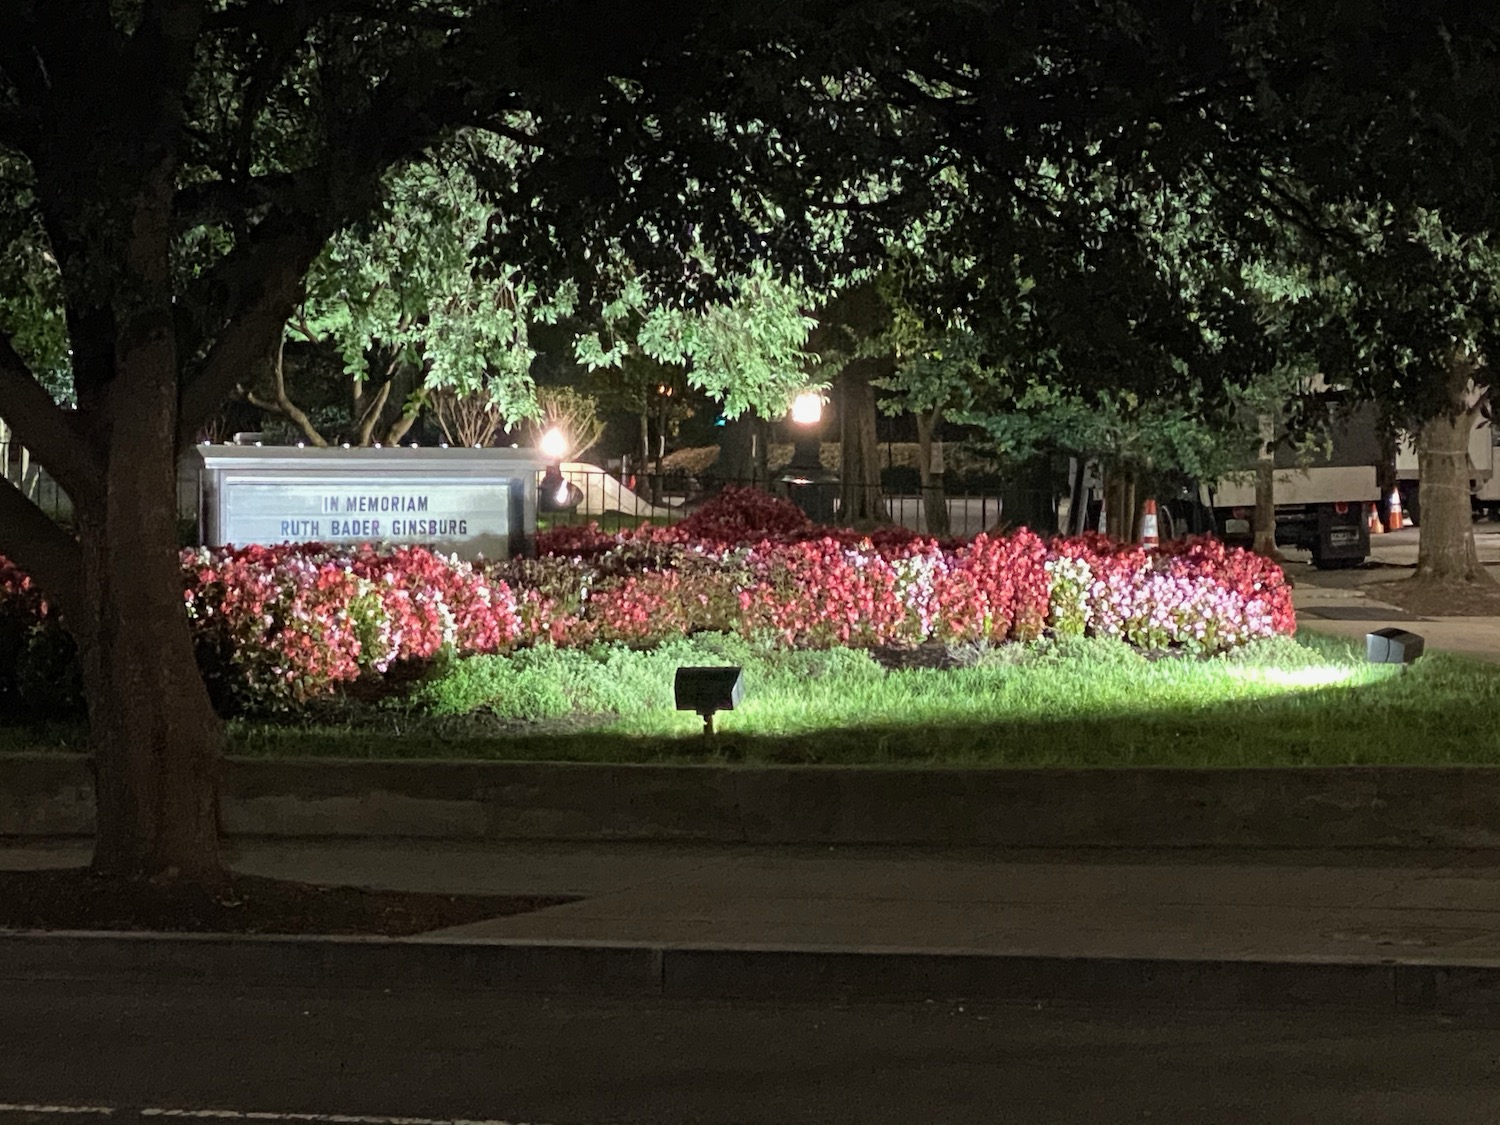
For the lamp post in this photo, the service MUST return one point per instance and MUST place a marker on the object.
(555, 494)
(810, 486)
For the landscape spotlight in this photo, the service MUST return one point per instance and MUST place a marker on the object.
(1392, 646)
(706, 690)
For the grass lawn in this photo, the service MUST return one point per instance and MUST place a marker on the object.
(1312, 701)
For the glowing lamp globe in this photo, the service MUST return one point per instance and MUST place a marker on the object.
(807, 408)
(554, 444)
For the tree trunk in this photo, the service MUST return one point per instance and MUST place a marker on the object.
(1446, 551)
(1265, 510)
(1078, 495)
(761, 428)
(738, 454)
(657, 485)
(934, 498)
(1120, 505)
(859, 453)
(1114, 504)
(155, 737)
(154, 734)
(1265, 494)
(1265, 518)
(645, 436)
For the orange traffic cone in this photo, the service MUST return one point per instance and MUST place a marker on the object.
(1149, 537)
(1393, 516)
(1376, 527)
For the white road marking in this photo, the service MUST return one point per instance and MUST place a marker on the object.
(249, 1115)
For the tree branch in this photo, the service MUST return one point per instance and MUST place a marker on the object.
(268, 286)
(224, 200)
(403, 424)
(372, 413)
(301, 325)
(50, 432)
(40, 547)
(284, 405)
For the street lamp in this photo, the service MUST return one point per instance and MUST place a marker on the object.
(807, 408)
(555, 494)
(554, 445)
(810, 486)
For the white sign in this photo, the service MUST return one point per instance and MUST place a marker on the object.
(354, 510)
(471, 502)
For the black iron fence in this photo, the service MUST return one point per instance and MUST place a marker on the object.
(605, 498)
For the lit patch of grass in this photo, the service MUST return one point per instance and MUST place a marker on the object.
(1309, 701)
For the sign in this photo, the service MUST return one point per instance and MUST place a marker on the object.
(472, 502)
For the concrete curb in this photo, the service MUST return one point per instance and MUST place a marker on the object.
(45, 795)
(625, 970)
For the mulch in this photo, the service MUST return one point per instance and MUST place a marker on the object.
(77, 899)
(1439, 599)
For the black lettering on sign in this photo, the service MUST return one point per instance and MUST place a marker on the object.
(382, 503)
(441, 528)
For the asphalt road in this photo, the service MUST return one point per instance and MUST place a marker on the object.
(111, 1050)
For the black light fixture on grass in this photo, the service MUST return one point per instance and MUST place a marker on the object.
(707, 690)
(1392, 646)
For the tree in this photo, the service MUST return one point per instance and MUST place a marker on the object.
(741, 344)
(185, 164)
(408, 302)
(180, 165)
(1385, 171)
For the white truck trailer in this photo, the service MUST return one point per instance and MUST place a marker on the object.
(1322, 503)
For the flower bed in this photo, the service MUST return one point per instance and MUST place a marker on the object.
(816, 586)
(279, 625)
(38, 662)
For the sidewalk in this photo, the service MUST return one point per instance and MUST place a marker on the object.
(1336, 602)
(1081, 923)
(1087, 903)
